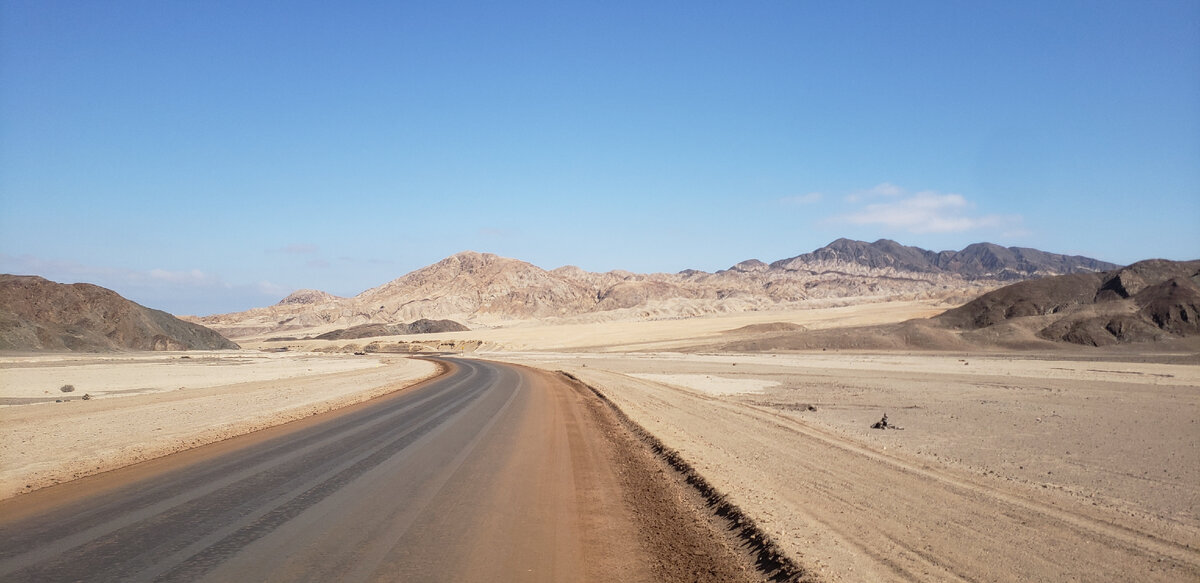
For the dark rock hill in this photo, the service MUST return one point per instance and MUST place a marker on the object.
(37, 314)
(426, 326)
(976, 261)
(422, 326)
(1149, 300)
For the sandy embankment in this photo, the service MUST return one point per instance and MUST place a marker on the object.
(1008, 467)
(145, 406)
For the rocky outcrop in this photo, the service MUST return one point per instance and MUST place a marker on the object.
(40, 315)
(425, 326)
(307, 297)
(374, 330)
(750, 266)
(1149, 300)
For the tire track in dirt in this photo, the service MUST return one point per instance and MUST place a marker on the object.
(886, 517)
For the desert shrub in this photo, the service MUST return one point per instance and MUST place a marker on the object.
(67, 388)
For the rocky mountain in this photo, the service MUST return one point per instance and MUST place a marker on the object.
(976, 261)
(37, 314)
(484, 289)
(1149, 300)
(308, 297)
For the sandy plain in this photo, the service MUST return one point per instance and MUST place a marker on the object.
(638, 333)
(146, 405)
(1075, 464)
(1007, 467)
(1069, 464)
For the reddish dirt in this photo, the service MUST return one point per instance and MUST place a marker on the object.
(688, 528)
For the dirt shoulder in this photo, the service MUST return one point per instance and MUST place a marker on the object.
(685, 530)
(490, 473)
(146, 406)
(1006, 468)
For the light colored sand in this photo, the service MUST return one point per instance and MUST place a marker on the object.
(629, 335)
(226, 394)
(125, 375)
(709, 384)
(1071, 466)
(1008, 468)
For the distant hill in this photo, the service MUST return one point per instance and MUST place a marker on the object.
(374, 330)
(484, 289)
(308, 297)
(37, 314)
(976, 261)
(1150, 301)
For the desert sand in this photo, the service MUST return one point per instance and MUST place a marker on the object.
(1006, 467)
(1071, 464)
(635, 334)
(147, 405)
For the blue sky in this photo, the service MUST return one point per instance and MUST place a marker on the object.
(204, 157)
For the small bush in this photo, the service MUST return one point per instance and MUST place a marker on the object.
(67, 388)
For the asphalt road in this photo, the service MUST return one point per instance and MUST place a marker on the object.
(489, 473)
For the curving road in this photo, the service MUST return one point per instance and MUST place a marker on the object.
(490, 472)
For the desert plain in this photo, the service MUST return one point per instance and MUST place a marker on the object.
(998, 465)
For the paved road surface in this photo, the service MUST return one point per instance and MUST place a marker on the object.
(488, 473)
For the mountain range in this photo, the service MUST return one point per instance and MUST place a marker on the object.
(484, 289)
(1149, 301)
(976, 261)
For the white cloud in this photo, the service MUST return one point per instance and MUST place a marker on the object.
(190, 291)
(802, 199)
(925, 212)
(190, 277)
(881, 189)
(269, 289)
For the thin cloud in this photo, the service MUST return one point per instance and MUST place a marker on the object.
(190, 291)
(71, 272)
(189, 277)
(802, 199)
(927, 212)
(298, 249)
(268, 289)
(881, 189)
